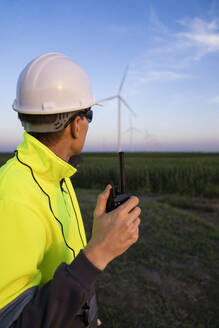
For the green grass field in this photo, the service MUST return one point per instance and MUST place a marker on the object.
(170, 277)
(182, 173)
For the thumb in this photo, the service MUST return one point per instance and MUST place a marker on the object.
(102, 200)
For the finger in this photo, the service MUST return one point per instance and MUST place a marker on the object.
(131, 203)
(135, 229)
(102, 200)
(136, 224)
(132, 216)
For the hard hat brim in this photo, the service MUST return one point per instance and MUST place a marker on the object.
(49, 108)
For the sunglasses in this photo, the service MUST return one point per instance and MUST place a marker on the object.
(88, 113)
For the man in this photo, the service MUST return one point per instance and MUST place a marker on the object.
(48, 270)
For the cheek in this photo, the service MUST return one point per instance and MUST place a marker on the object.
(86, 128)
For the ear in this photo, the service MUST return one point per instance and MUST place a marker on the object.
(75, 129)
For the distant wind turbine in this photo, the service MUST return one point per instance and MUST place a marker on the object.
(131, 130)
(151, 141)
(120, 99)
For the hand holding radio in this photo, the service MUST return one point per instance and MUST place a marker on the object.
(115, 227)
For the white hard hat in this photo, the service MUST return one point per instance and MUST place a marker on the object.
(53, 83)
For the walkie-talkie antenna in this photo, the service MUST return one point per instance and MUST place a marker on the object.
(118, 197)
(122, 171)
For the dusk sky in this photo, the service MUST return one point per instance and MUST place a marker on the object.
(171, 47)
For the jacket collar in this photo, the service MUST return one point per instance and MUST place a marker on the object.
(43, 161)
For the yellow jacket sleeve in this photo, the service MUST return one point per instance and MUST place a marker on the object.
(22, 246)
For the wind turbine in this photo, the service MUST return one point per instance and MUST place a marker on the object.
(131, 130)
(120, 99)
(151, 141)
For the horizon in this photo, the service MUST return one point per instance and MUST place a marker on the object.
(135, 152)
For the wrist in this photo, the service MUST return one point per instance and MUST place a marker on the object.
(96, 256)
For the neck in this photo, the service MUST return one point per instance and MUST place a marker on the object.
(61, 154)
(62, 150)
(66, 146)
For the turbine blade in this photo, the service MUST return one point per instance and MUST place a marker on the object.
(125, 103)
(106, 99)
(123, 79)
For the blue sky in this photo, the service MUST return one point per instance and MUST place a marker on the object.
(171, 47)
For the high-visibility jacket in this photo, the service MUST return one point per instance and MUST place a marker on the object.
(40, 220)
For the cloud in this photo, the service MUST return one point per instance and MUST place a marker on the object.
(171, 52)
(140, 77)
(155, 23)
(165, 75)
(195, 37)
(145, 77)
(201, 35)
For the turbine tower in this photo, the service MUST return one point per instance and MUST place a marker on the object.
(120, 99)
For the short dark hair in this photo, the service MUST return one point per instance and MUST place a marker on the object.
(47, 138)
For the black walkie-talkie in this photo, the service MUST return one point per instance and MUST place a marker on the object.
(118, 197)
